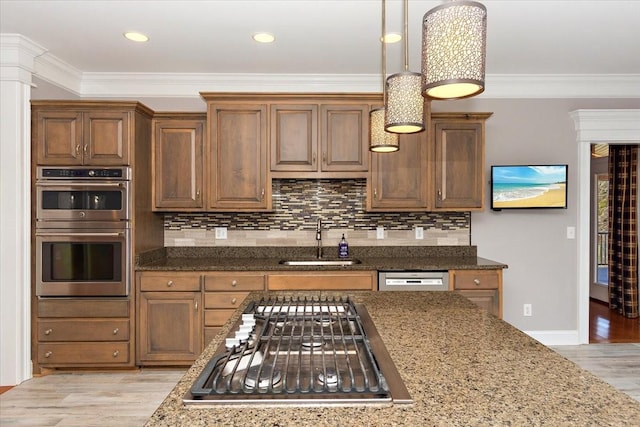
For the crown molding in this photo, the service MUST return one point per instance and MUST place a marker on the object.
(607, 125)
(17, 57)
(188, 85)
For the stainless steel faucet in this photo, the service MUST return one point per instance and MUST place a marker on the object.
(319, 237)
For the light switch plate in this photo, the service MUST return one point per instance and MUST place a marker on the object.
(379, 232)
(419, 233)
(571, 232)
(221, 233)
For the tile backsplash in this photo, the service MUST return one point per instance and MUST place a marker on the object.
(297, 205)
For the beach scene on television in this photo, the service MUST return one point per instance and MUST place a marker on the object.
(529, 187)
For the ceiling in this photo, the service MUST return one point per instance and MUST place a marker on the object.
(319, 38)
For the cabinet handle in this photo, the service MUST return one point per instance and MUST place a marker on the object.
(195, 303)
(262, 194)
(234, 283)
(77, 149)
(476, 281)
(439, 194)
(115, 331)
(48, 331)
(48, 354)
(234, 301)
(170, 283)
(197, 194)
(85, 148)
(324, 158)
(375, 193)
(116, 353)
(313, 159)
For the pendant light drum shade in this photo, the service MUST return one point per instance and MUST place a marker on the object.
(381, 141)
(404, 103)
(454, 40)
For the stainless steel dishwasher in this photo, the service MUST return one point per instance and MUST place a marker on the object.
(413, 280)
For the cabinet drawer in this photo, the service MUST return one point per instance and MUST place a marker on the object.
(83, 330)
(224, 299)
(169, 282)
(234, 282)
(217, 317)
(83, 308)
(210, 333)
(321, 281)
(475, 279)
(83, 353)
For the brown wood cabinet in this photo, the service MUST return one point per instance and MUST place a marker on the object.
(483, 287)
(321, 280)
(83, 333)
(458, 140)
(89, 133)
(178, 161)
(316, 140)
(223, 294)
(238, 170)
(399, 181)
(169, 318)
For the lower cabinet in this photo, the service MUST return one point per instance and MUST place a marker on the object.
(83, 333)
(316, 280)
(169, 318)
(483, 287)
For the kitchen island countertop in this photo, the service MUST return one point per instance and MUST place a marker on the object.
(462, 367)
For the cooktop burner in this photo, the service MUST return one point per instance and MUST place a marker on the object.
(304, 352)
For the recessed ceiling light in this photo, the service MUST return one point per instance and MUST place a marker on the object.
(264, 37)
(136, 37)
(391, 38)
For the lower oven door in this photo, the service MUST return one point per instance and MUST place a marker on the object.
(88, 262)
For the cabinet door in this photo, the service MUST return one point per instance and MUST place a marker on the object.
(238, 178)
(294, 138)
(178, 164)
(344, 137)
(106, 138)
(398, 180)
(459, 165)
(58, 137)
(170, 327)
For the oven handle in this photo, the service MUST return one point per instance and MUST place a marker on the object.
(81, 184)
(72, 234)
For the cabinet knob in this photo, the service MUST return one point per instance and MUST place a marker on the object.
(115, 331)
(234, 283)
(234, 300)
(48, 354)
(476, 281)
(170, 283)
(48, 331)
(324, 158)
(116, 353)
(313, 159)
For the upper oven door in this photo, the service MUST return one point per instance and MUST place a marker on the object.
(83, 201)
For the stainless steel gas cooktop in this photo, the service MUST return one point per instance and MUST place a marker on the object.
(301, 352)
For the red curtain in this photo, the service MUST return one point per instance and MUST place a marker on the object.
(623, 229)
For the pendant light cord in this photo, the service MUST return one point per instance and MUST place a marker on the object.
(406, 35)
(384, 50)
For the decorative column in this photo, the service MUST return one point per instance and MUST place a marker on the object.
(17, 55)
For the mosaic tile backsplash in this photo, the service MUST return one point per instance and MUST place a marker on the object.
(297, 205)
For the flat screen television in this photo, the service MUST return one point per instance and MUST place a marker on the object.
(528, 187)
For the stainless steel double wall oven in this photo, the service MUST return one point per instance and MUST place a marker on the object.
(82, 231)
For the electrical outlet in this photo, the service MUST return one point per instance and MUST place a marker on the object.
(221, 233)
(379, 232)
(419, 233)
(571, 232)
(526, 310)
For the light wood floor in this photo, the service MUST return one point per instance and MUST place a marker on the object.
(127, 399)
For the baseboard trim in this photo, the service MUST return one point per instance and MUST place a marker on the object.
(570, 337)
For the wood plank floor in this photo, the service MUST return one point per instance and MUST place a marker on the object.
(127, 399)
(607, 326)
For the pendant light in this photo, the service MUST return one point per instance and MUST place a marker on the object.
(403, 101)
(454, 40)
(381, 141)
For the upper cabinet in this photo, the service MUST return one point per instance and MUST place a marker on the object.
(438, 170)
(458, 166)
(320, 138)
(178, 161)
(239, 176)
(84, 133)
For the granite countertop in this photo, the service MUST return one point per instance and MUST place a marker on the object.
(462, 367)
(268, 259)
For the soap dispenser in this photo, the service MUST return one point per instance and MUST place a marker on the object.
(343, 248)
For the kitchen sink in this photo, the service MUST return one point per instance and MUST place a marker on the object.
(320, 262)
